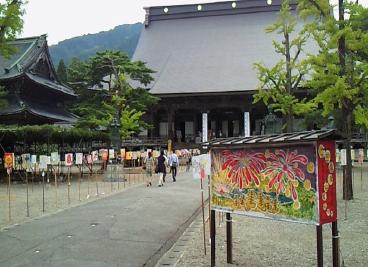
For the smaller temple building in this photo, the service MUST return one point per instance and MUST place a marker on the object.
(35, 95)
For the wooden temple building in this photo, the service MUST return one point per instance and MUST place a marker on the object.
(34, 93)
(204, 56)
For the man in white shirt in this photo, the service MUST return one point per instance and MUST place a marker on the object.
(174, 163)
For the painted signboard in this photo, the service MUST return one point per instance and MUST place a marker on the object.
(55, 158)
(69, 159)
(8, 160)
(201, 166)
(78, 158)
(94, 156)
(292, 183)
(43, 162)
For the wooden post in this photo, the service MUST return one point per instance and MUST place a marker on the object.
(229, 238)
(361, 176)
(69, 185)
(27, 194)
(9, 182)
(319, 246)
(43, 191)
(213, 238)
(203, 221)
(56, 193)
(209, 196)
(79, 182)
(111, 178)
(335, 245)
(96, 184)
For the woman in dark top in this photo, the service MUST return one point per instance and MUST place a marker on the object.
(161, 166)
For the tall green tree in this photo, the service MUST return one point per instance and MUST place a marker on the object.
(121, 103)
(11, 24)
(61, 71)
(340, 72)
(279, 84)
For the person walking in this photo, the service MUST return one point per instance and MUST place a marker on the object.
(149, 165)
(161, 168)
(173, 162)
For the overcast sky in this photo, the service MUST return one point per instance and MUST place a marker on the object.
(63, 19)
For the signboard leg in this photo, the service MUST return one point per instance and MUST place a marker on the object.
(56, 194)
(209, 202)
(229, 238)
(79, 182)
(110, 178)
(9, 214)
(43, 191)
(97, 194)
(203, 222)
(335, 245)
(27, 195)
(213, 238)
(361, 177)
(319, 246)
(69, 186)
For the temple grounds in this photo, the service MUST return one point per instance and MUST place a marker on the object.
(83, 188)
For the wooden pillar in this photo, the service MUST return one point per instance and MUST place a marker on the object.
(170, 119)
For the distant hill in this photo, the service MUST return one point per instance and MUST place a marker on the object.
(122, 37)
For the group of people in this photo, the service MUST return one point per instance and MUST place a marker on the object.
(159, 166)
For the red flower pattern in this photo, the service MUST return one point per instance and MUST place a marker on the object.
(284, 169)
(244, 167)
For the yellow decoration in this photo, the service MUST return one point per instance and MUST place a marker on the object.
(331, 167)
(324, 206)
(321, 151)
(296, 205)
(325, 187)
(330, 179)
(324, 196)
(328, 212)
(287, 192)
(328, 155)
(310, 167)
(307, 184)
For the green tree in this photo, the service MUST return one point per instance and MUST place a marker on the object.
(61, 71)
(279, 84)
(120, 102)
(340, 72)
(11, 24)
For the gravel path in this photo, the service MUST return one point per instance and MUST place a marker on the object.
(258, 242)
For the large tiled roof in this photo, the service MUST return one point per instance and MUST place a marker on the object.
(208, 51)
(27, 52)
(17, 106)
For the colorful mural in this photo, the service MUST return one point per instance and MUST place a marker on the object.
(279, 183)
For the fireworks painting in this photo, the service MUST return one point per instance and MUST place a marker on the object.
(279, 182)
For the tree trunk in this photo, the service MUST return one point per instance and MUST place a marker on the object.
(289, 118)
(347, 175)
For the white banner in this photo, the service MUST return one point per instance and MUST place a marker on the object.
(246, 124)
(204, 127)
(43, 162)
(55, 158)
(94, 156)
(201, 166)
(111, 154)
(78, 158)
